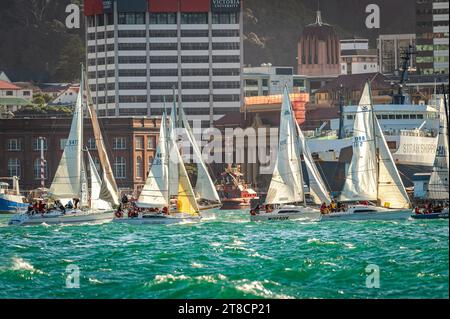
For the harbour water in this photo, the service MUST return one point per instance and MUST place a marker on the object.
(227, 257)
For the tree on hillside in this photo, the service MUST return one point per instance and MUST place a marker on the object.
(72, 54)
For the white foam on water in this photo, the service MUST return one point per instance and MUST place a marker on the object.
(197, 265)
(349, 246)
(257, 288)
(20, 264)
(95, 281)
(318, 241)
(169, 278)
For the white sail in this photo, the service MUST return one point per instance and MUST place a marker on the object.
(172, 152)
(286, 185)
(361, 180)
(438, 185)
(96, 182)
(108, 191)
(156, 189)
(68, 177)
(204, 188)
(391, 191)
(317, 187)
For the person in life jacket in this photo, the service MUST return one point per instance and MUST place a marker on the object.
(165, 211)
(417, 210)
(324, 208)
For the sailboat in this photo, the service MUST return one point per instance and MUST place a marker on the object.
(286, 190)
(70, 181)
(438, 185)
(10, 201)
(372, 174)
(167, 196)
(208, 199)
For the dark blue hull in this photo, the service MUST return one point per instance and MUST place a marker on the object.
(431, 216)
(7, 206)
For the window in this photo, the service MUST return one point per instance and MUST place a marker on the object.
(151, 142)
(132, 46)
(131, 33)
(14, 144)
(194, 46)
(37, 169)
(163, 59)
(163, 33)
(62, 143)
(194, 18)
(119, 143)
(196, 98)
(37, 144)
(133, 72)
(9, 93)
(133, 98)
(226, 98)
(225, 33)
(226, 59)
(139, 141)
(163, 85)
(163, 46)
(163, 18)
(194, 33)
(226, 72)
(120, 168)
(26, 93)
(139, 167)
(150, 162)
(195, 59)
(405, 116)
(251, 82)
(132, 59)
(420, 116)
(226, 46)
(131, 18)
(227, 85)
(91, 144)
(194, 85)
(96, 161)
(132, 85)
(225, 18)
(13, 167)
(164, 72)
(384, 117)
(195, 72)
(391, 116)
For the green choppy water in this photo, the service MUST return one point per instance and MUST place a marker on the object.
(227, 257)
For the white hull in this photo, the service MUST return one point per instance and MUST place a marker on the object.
(362, 212)
(159, 219)
(289, 213)
(70, 217)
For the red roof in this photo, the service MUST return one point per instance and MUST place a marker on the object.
(8, 86)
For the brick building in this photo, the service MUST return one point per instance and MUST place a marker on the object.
(130, 142)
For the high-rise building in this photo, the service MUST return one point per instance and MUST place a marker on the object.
(319, 50)
(138, 51)
(432, 23)
(391, 49)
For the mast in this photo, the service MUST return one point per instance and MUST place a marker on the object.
(374, 135)
(82, 130)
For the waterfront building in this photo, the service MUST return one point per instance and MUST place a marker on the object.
(130, 143)
(356, 57)
(319, 50)
(391, 48)
(138, 51)
(432, 23)
(67, 97)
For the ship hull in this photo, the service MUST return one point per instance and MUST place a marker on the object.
(10, 203)
(76, 217)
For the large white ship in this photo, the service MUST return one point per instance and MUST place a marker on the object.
(410, 131)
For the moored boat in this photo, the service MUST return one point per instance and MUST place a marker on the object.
(11, 200)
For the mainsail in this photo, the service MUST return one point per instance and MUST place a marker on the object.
(96, 182)
(317, 187)
(109, 191)
(156, 189)
(173, 151)
(286, 185)
(204, 188)
(438, 185)
(361, 181)
(391, 191)
(68, 178)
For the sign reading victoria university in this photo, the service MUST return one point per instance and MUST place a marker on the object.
(225, 5)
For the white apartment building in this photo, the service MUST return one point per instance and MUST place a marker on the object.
(139, 51)
(357, 58)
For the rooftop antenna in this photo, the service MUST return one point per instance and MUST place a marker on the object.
(318, 14)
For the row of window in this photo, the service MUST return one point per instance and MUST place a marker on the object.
(163, 86)
(165, 46)
(15, 144)
(164, 34)
(163, 18)
(394, 117)
(166, 59)
(185, 98)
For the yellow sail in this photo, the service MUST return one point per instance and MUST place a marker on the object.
(187, 203)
